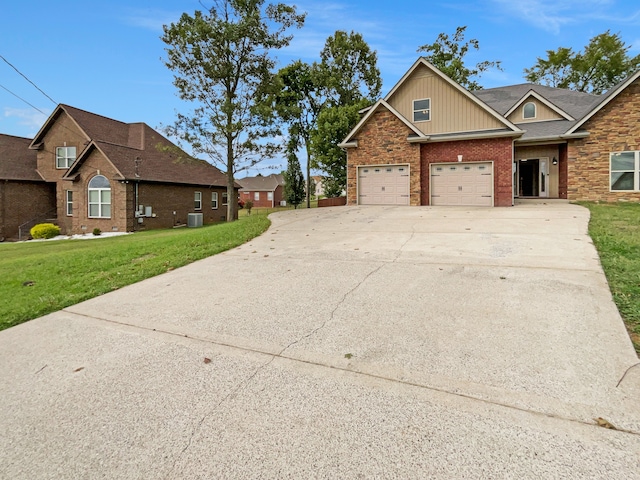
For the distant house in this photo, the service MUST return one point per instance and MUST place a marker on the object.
(319, 182)
(263, 191)
(84, 171)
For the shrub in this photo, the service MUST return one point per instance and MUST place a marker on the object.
(248, 205)
(45, 230)
(97, 231)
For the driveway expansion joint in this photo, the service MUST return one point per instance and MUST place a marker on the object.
(281, 355)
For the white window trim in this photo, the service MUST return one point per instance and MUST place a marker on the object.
(69, 202)
(100, 203)
(270, 196)
(535, 111)
(225, 199)
(256, 196)
(65, 157)
(636, 171)
(214, 200)
(413, 106)
(197, 200)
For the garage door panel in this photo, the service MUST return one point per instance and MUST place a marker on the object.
(460, 184)
(383, 185)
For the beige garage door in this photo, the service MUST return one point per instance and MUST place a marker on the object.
(383, 185)
(462, 184)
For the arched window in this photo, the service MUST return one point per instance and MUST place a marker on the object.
(529, 110)
(99, 197)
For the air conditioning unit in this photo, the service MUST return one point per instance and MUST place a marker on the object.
(194, 219)
(283, 203)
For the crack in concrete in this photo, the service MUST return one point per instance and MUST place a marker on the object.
(336, 367)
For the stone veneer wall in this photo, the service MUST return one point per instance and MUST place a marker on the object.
(615, 128)
(498, 150)
(383, 141)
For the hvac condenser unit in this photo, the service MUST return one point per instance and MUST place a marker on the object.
(194, 219)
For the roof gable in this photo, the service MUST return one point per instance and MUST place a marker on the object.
(454, 109)
(532, 95)
(378, 105)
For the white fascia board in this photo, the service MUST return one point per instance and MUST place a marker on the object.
(463, 136)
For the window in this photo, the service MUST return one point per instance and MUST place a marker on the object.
(625, 171)
(256, 196)
(225, 198)
(69, 199)
(197, 201)
(270, 196)
(99, 197)
(529, 110)
(214, 200)
(65, 156)
(422, 110)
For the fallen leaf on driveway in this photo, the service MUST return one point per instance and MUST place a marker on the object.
(207, 360)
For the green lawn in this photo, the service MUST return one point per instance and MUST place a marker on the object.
(615, 230)
(39, 277)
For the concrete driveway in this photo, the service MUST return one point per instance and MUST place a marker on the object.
(346, 342)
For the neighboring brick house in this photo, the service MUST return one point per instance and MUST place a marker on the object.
(431, 142)
(95, 172)
(263, 191)
(318, 181)
(23, 192)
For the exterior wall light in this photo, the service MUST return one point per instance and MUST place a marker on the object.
(554, 161)
(459, 158)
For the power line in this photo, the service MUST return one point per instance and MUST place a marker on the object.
(5, 88)
(27, 79)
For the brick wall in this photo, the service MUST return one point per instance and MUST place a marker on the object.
(21, 202)
(498, 150)
(615, 128)
(262, 198)
(382, 141)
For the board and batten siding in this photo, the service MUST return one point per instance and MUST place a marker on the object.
(451, 110)
(542, 113)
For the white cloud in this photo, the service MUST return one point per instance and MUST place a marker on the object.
(27, 117)
(552, 15)
(151, 19)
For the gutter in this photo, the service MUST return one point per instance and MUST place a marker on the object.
(468, 136)
(353, 144)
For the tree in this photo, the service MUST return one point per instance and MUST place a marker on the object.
(351, 80)
(222, 64)
(298, 101)
(447, 55)
(604, 63)
(294, 191)
(334, 124)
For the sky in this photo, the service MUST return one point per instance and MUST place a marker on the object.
(107, 57)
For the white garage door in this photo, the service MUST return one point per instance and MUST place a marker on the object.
(383, 185)
(462, 184)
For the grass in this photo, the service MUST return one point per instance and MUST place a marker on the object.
(43, 277)
(615, 230)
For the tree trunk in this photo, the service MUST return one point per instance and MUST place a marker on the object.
(232, 201)
(308, 176)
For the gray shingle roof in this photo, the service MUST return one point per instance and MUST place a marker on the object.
(261, 183)
(502, 99)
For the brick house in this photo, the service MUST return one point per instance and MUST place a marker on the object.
(263, 191)
(431, 142)
(84, 171)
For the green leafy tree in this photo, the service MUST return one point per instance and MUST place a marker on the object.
(604, 62)
(222, 63)
(298, 101)
(294, 191)
(447, 54)
(334, 124)
(351, 80)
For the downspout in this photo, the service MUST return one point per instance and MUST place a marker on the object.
(135, 207)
